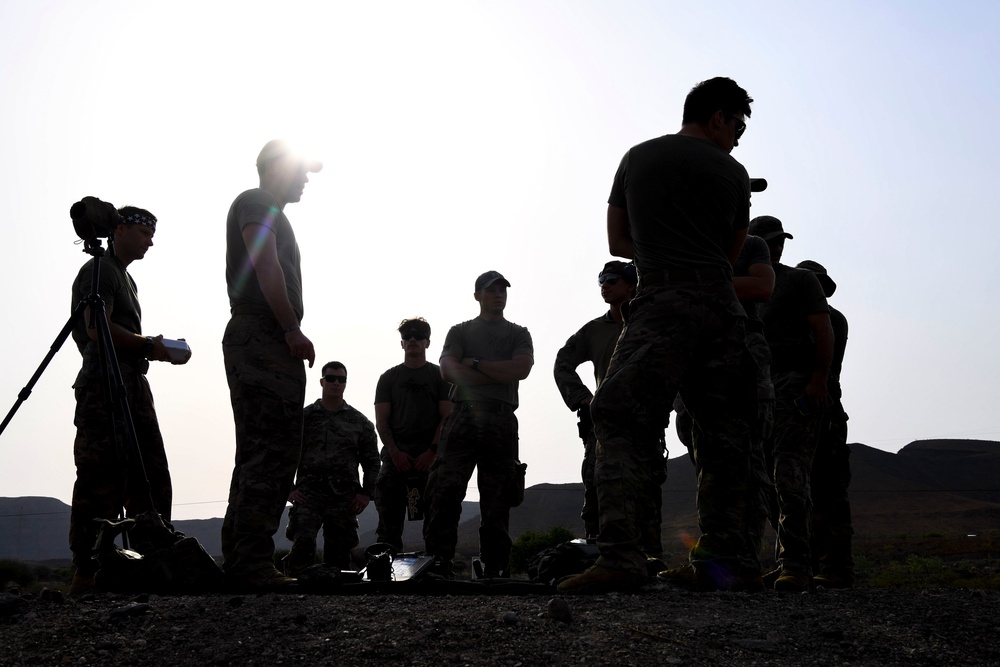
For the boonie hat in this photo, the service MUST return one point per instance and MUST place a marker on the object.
(829, 287)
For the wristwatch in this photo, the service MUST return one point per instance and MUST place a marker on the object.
(147, 347)
(475, 363)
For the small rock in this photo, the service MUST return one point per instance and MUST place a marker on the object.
(131, 609)
(11, 605)
(235, 602)
(832, 634)
(558, 610)
(488, 614)
(510, 618)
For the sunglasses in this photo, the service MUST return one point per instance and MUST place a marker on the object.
(741, 127)
(342, 379)
(609, 279)
(413, 335)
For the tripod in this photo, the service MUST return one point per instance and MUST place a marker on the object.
(110, 371)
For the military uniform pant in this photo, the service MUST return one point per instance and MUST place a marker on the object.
(589, 513)
(831, 515)
(340, 535)
(474, 437)
(267, 390)
(792, 449)
(392, 499)
(686, 339)
(108, 474)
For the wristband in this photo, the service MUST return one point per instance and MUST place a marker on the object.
(475, 363)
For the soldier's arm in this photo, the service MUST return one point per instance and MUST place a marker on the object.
(454, 372)
(822, 331)
(506, 371)
(757, 285)
(739, 236)
(620, 233)
(401, 460)
(569, 357)
(263, 251)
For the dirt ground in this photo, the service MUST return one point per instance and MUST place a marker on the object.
(657, 626)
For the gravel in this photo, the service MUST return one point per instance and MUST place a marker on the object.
(657, 626)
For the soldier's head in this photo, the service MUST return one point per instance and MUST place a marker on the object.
(618, 281)
(134, 234)
(284, 172)
(720, 108)
(771, 230)
(334, 380)
(415, 336)
(491, 293)
(829, 287)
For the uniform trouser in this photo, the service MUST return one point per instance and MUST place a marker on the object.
(473, 438)
(267, 389)
(650, 520)
(340, 535)
(792, 449)
(108, 474)
(392, 499)
(687, 339)
(832, 529)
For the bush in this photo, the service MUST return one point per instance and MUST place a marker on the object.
(530, 542)
(16, 572)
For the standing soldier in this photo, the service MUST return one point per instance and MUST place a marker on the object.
(328, 494)
(679, 207)
(411, 401)
(263, 349)
(833, 563)
(595, 342)
(484, 358)
(106, 471)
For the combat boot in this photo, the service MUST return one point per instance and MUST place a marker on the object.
(82, 584)
(600, 579)
(265, 580)
(792, 581)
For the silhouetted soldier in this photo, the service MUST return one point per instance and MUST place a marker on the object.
(798, 331)
(679, 206)
(336, 439)
(411, 402)
(833, 563)
(485, 359)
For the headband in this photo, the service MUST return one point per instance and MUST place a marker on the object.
(141, 219)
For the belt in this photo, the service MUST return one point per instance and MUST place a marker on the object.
(486, 406)
(251, 309)
(668, 276)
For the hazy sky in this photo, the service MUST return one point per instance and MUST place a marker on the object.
(467, 136)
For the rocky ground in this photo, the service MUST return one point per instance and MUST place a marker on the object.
(657, 626)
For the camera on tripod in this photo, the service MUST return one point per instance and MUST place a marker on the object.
(94, 219)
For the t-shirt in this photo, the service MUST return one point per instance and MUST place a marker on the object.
(119, 293)
(496, 340)
(414, 395)
(755, 251)
(259, 207)
(797, 295)
(839, 323)
(685, 198)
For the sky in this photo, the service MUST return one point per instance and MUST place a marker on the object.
(460, 137)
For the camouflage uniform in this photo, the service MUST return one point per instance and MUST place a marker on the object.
(480, 432)
(792, 446)
(108, 476)
(595, 342)
(266, 387)
(334, 444)
(680, 337)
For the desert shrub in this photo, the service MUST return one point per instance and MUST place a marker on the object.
(16, 572)
(531, 542)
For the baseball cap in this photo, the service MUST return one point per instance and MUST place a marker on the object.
(829, 287)
(624, 269)
(488, 278)
(279, 148)
(767, 227)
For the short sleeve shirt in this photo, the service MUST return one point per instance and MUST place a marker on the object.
(414, 395)
(120, 293)
(497, 340)
(259, 207)
(797, 295)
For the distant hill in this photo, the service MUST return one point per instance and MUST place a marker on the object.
(929, 486)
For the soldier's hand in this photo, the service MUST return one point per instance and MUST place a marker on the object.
(401, 460)
(359, 503)
(300, 346)
(296, 497)
(424, 461)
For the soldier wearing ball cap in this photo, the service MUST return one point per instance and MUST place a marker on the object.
(799, 334)
(484, 358)
(264, 349)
